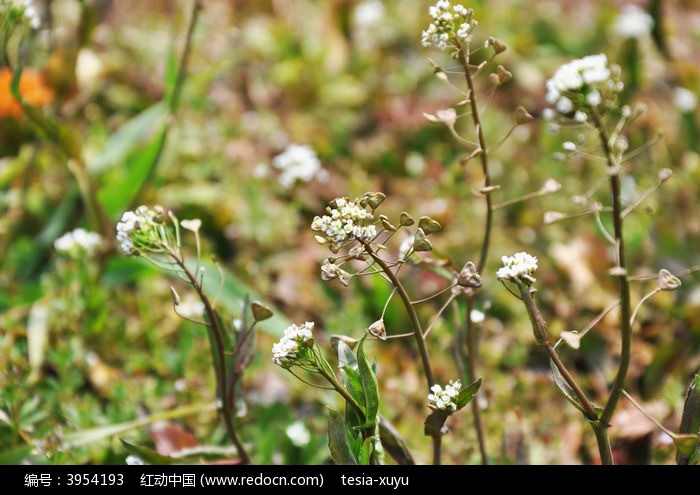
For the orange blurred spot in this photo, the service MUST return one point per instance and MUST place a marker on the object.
(32, 88)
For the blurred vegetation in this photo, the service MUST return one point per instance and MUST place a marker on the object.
(93, 342)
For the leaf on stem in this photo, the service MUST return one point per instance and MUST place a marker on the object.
(394, 443)
(690, 426)
(567, 390)
(337, 441)
(369, 386)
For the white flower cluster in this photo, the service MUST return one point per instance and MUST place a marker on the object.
(26, 8)
(134, 221)
(78, 241)
(685, 100)
(298, 163)
(443, 399)
(633, 22)
(519, 266)
(449, 24)
(287, 350)
(346, 220)
(581, 84)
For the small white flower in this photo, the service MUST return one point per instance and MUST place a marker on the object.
(476, 316)
(132, 460)
(451, 25)
(588, 76)
(25, 8)
(298, 433)
(593, 98)
(519, 266)
(191, 308)
(368, 14)
(142, 220)
(290, 346)
(443, 399)
(569, 146)
(685, 100)
(77, 241)
(347, 220)
(633, 22)
(298, 163)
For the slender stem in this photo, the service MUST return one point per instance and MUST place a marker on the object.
(483, 157)
(412, 315)
(543, 337)
(472, 343)
(437, 450)
(623, 282)
(213, 324)
(539, 326)
(417, 333)
(342, 391)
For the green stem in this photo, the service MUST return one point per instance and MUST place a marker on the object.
(417, 333)
(342, 391)
(543, 337)
(220, 369)
(483, 156)
(437, 450)
(471, 365)
(412, 315)
(623, 282)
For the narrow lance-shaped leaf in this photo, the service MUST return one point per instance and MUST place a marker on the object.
(150, 456)
(337, 441)
(690, 425)
(567, 390)
(393, 442)
(369, 386)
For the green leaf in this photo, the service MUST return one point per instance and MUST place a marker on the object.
(149, 456)
(369, 386)
(346, 358)
(116, 195)
(467, 394)
(232, 291)
(690, 423)
(567, 390)
(429, 225)
(434, 422)
(394, 443)
(129, 136)
(353, 384)
(371, 452)
(337, 440)
(686, 447)
(16, 455)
